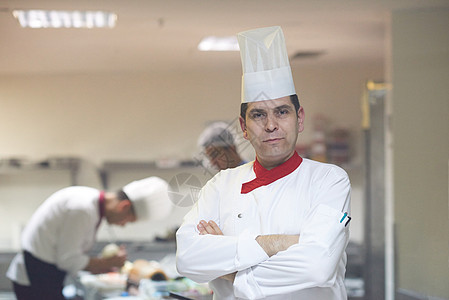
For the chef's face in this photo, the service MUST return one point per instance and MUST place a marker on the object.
(123, 214)
(272, 127)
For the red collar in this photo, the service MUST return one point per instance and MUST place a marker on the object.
(101, 207)
(265, 177)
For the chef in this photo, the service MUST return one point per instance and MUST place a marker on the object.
(276, 227)
(63, 229)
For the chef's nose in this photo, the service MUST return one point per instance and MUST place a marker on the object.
(271, 123)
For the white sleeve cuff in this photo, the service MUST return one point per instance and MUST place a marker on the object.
(249, 252)
(245, 285)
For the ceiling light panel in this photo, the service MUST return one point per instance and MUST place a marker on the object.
(214, 43)
(65, 19)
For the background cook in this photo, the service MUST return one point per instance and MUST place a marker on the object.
(62, 230)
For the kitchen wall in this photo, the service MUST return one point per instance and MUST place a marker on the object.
(420, 151)
(150, 116)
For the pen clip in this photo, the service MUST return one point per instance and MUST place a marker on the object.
(344, 216)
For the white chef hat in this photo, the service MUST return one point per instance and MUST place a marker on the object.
(266, 70)
(149, 197)
(217, 134)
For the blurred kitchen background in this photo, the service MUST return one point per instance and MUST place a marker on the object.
(104, 106)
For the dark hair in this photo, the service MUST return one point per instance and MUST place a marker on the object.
(293, 98)
(121, 195)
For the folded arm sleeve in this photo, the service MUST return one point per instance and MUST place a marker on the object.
(314, 261)
(203, 258)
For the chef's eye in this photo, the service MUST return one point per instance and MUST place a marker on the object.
(257, 115)
(282, 112)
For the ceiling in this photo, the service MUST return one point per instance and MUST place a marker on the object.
(158, 36)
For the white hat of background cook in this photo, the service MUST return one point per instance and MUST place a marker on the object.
(149, 197)
(217, 134)
(266, 70)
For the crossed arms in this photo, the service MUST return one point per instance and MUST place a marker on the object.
(271, 244)
(257, 265)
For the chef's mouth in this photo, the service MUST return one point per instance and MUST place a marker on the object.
(272, 140)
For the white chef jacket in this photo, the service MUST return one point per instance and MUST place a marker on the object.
(60, 232)
(310, 201)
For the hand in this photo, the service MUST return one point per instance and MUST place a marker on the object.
(118, 260)
(274, 243)
(209, 228)
(97, 265)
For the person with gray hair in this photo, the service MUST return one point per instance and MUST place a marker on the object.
(218, 144)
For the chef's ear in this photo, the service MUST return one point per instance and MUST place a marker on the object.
(124, 205)
(243, 127)
(301, 117)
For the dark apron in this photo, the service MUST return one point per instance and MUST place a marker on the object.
(46, 280)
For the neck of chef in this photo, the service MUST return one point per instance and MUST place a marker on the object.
(110, 198)
(271, 163)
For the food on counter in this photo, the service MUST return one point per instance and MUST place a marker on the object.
(143, 269)
(142, 279)
(107, 282)
(126, 267)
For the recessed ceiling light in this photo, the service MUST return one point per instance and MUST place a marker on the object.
(65, 19)
(214, 43)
